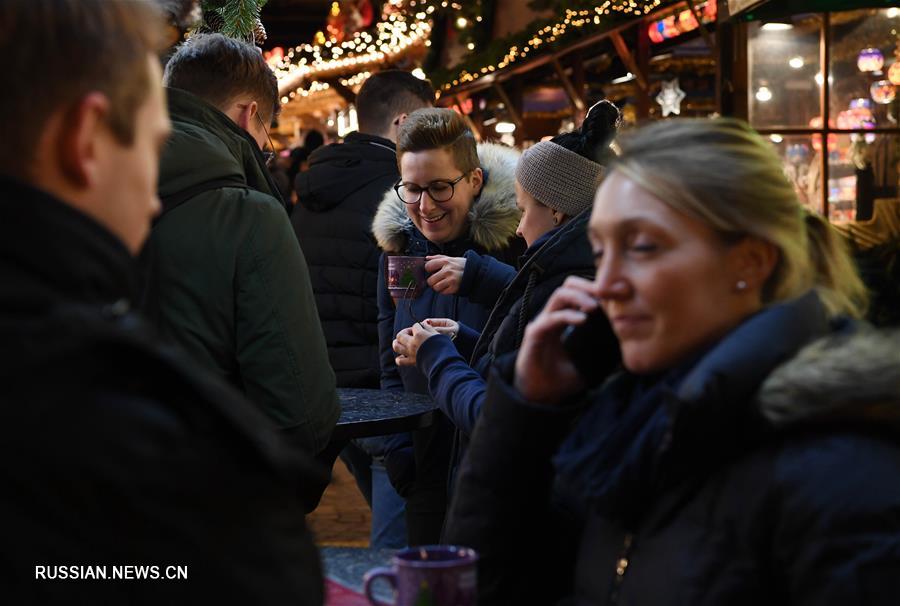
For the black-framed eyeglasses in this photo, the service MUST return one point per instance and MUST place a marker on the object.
(439, 191)
(269, 155)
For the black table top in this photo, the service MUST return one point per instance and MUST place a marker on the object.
(373, 412)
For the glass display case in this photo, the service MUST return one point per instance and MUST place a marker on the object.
(838, 136)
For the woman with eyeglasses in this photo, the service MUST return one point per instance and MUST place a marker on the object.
(555, 183)
(452, 197)
(748, 453)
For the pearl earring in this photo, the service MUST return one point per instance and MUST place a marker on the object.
(741, 285)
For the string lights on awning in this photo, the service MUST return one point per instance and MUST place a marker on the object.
(407, 23)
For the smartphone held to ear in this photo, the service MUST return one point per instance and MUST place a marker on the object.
(593, 347)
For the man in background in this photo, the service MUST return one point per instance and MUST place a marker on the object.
(227, 280)
(116, 451)
(337, 199)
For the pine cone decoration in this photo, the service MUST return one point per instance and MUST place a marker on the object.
(259, 32)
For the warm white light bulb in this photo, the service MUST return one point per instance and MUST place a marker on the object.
(796, 62)
(763, 94)
(777, 27)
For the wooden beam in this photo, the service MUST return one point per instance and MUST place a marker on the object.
(627, 58)
(513, 113)
(643, 63)
(527, 66)
(576, 98)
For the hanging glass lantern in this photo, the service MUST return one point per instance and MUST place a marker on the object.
(883, 92)
(870, 60)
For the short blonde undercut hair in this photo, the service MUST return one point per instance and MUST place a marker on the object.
(436, 128)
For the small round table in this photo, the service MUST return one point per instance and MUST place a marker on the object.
(373, 412)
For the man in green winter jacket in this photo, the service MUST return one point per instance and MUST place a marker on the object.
(226, 277)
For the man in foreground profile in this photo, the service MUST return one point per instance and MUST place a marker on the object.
(129, 476)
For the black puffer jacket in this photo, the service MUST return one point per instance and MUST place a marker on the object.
(338, 197)
(764, 472)
(119, 452)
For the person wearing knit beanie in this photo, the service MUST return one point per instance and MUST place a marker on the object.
(556, 179)
(555, 185)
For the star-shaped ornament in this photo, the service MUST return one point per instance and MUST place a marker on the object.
(670, 98)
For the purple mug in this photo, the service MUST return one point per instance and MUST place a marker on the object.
(405, 276)
(430, 575)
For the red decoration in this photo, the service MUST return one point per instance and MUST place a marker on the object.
(680, 22)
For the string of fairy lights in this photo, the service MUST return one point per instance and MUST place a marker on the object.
(406, 23)
(309, 63)
(572, 20)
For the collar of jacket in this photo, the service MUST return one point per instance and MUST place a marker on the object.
(376, 148)
(565, 248)
(50, 252)
(373, 140)
(643, 433)
(493, 218)
(207, 145)
(714, 404)
(850, 377)
(340, 170)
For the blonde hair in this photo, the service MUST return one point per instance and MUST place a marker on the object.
(724, 174)
(435, 128)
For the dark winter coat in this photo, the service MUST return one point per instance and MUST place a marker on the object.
(764, 472)
(338, 196)
(458, 387)
(229, 282)
(118, 451)
(493, 219)
(492, 230)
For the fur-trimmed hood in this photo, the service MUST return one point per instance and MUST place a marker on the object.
(853, 378)
(493, 217)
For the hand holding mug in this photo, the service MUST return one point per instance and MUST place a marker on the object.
(446, 273)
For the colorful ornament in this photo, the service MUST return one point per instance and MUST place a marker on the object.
(670, 29)
(861, 103)
(670, 97)
(856, 117)
(870, 60)
(883, 92)
(686, 21)
(894, 73)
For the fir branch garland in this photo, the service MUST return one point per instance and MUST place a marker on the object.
(238, 16)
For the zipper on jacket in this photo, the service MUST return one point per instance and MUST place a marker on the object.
(621, 567)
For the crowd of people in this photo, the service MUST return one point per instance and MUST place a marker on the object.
(654, 380)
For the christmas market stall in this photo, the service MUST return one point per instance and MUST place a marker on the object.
(822, 86)
(820, 79)
(534, 67)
